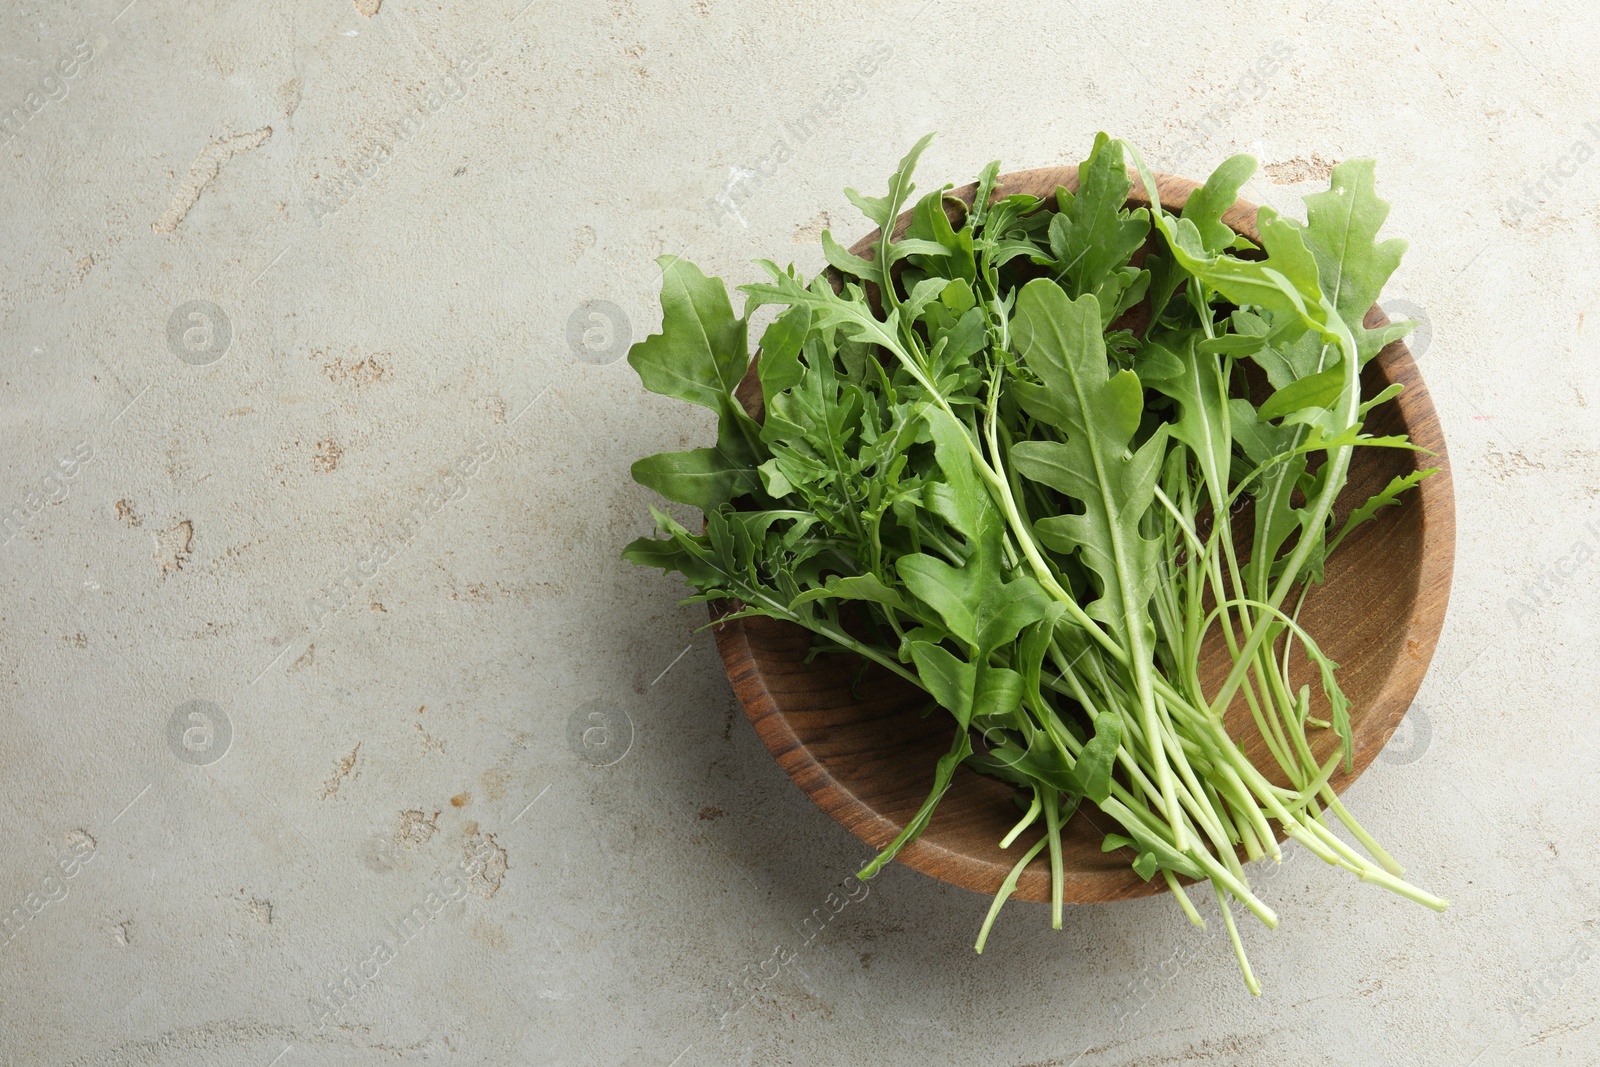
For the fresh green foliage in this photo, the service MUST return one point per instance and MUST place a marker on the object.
(991, 459)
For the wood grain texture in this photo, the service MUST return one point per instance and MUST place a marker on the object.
(866, 756)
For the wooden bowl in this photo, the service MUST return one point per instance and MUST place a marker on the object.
(865, 754)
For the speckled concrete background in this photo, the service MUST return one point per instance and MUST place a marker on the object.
(334, 732)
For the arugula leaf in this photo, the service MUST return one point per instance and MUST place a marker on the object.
(1319, 390)
(1195, 380)
(1060, 340)
(779, 367)
(950, 680)
(1207, 204)
(701, 353)
(841, 259)
(854, 587)
(1092, 773)
(699, 356)
(930, 224)
(882, 210)
(1093, 233)
(982, 196)
(1341, 231)
(1388, 496)
(702, 477)
(982, 611)
(1204, 208)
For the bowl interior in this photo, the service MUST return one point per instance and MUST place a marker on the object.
(864, 752)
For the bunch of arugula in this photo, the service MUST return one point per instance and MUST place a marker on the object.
(963, 442)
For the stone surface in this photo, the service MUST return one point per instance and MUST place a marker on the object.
(332, 730)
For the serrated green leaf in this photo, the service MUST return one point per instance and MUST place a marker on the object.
(776, 482)
(1093, 233)
(1060, 341)
(997, 691)
(841, 259)
(957, 296)
(779, 366)
(1388, 496)
(1386, 394)
(1207, 204)
(1285, 283)
(856, 587)
(1320, 390)
(1195, 381)
(701, 353)
(883, 209)
(979, 608)
(929, 223)
(1204, 210)
(1092, 773)
(702, 477)
(1341, 231)
(950, 680)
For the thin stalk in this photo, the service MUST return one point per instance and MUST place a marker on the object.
(1235, 788)
(1052, 819)
(1006, 889)
(1199, 806)
(1338, 467)
(1183, 898)
(1026, 821)
(1136, 802)
(1238, 946)
(1224, 878)
(1337, 807)
(1248, 839)
(755, 595)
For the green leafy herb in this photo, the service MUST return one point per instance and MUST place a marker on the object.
(963, 454)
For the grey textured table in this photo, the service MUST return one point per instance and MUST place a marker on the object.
(333, 731)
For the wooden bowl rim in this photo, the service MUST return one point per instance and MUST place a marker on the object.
(1372, 726)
